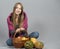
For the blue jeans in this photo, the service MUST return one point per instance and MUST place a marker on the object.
(33, 34)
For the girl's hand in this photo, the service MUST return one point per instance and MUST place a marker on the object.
(18, 30)
(22, 28)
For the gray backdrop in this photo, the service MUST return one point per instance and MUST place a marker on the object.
(43, 16)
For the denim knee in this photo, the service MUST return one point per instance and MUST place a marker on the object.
(34, 34)
(9, 42)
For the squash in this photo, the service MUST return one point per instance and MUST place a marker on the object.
(39, 44)
(34, 40)
(28, 45)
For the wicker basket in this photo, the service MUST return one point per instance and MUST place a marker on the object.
(18, 42)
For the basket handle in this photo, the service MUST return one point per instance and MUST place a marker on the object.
(15, 34)
(20, 32)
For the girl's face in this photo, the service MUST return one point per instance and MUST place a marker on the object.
(18, 9)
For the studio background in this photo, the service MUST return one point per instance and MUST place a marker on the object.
(43, 16)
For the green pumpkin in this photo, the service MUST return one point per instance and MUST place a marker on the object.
(28, 45)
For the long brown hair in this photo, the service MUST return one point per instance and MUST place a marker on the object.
(21, 15)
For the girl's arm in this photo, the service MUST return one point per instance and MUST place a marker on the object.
(25, 22)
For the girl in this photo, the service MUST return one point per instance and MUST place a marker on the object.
(18, 21)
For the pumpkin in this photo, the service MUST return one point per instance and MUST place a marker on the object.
(28, 45)
(39, 44)
(24, 38)
(34, 40)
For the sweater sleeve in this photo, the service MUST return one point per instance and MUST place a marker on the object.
(10, 24)
(25, 22)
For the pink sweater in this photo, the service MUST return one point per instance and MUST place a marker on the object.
(10, 24)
